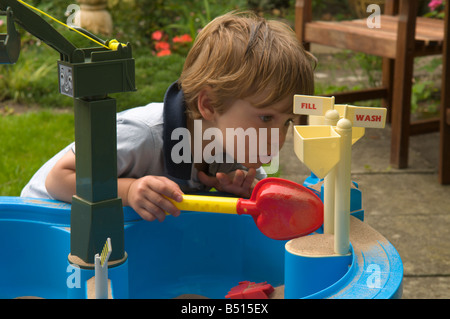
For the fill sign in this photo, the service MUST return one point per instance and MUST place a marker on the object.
(312, 105)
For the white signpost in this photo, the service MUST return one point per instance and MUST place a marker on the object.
(327, 149)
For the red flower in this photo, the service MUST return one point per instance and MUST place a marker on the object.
(157, 35)
(182, 39)
(161, 45)
(434, 4)
(164, 52)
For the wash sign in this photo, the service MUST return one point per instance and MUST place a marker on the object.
(370, 117)
(360, 116)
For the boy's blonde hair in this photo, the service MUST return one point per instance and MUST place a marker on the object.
(239, 55)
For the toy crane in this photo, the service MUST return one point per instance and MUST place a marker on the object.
(87, 75)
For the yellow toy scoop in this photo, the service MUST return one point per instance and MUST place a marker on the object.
(280, 208)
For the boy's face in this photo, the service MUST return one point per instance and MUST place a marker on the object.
(254, 134)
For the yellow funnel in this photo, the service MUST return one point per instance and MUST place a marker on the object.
(317, 147)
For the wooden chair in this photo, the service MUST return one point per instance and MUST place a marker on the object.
(444, 159)
(402, 36)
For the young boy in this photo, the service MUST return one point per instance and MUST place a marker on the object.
(241, 72)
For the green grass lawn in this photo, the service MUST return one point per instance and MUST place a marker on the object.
(27, 141)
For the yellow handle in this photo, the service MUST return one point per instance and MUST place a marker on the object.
(211, 204)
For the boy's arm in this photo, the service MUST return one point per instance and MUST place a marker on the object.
(144, 195)
(61, 181)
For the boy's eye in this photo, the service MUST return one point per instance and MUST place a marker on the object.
(266, 118)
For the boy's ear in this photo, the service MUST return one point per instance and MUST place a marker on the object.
(204, 104)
